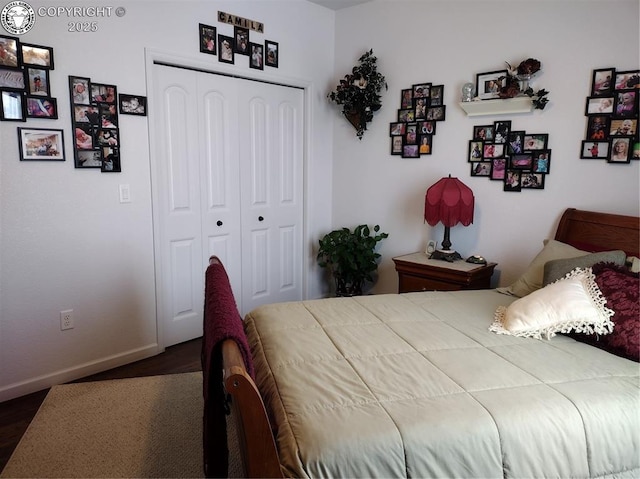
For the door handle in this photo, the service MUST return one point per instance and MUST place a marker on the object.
(219, 223)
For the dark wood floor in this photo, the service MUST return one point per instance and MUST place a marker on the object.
(16, 414)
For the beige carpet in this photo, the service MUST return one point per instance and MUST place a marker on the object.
(123, 428)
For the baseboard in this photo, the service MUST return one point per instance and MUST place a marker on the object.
(39, 383)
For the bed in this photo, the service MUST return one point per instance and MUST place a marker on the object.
(415, 385)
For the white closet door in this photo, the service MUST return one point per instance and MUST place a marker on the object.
(227, 181)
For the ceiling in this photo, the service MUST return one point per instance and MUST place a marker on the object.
(338, 4)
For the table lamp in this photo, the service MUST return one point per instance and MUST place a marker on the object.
(449, 201)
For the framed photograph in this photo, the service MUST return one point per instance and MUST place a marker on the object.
(107, 137)
(12, 78)
(39, 107)
(101, 93)
(627, 79)
(225, 49)
(594, 150)
(498, 167)
(406, 115)
(83, 137)
(598, 105)
(80, 89)
(523, 161)
(481, 168)
(41, 144)
(241, 40)
(620, 150)
(515, 140)
(108, 116)
(38, 81)
(512, 180)
(635, 152)
(483, 132)
(488, 84)
(86, 114)
(501, 133)
(533, 180)
(110, 160)
(436, 95)
(257, 56)
(623, 127)
(406, 98)
(10, 52)
(132, 104)
(598, 127)
(396, 145)
(421, 90)
(492, 150)
(626, 104)
(424, 144)
(397, 129)
(436, 113)
(411, 138)
(88, 158)
(410, 151)
(542, 162)
(536, 141)
(420, 107)
(13, 108)
(37, 56)
(602, 81)
(273, 52)
(476, 149)
(208, 36)
(427, 127)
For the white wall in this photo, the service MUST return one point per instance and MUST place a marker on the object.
(449, 42)
(67, 242)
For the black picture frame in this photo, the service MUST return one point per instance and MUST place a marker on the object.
(521, 161)
(86, 114)
(88, 158)
(104, 93)
(425, 143)
(515, 142)
(80, 90)
(542, 162)
(241, 43)
(12, 78)
(208, 36)
(406, 98)
(498, 167)
(623, 127)
(427, 127)
(132, 104)
(535, 141)
(41, 144)
(501, 132)
(628, 79)
(411, 136)
(272, 53)
(599, 105)
(410, 151)
(10, 52)
(110, 160)
(437, 113)
(45, 108)
(488, 84)
(512, 180)
(615, 155)
(594, 149)
(626, 104)
(602, 81)
(397, 145)
(493, 150)
(533, 181)
(12, 105)
(225, 49)
(484, 133)
(256, 60)
(84, 137)
(598, 127)
(38, 56)
(436, 95)
(481, 168)
(37, 81)
(397, 128)
(421, 90)
(476, 147)
(406, 115)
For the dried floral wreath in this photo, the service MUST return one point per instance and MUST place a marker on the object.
(359, 93)
(517, 82)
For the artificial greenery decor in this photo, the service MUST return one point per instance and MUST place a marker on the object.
(517, 83)
(350, 257)
(359, 92)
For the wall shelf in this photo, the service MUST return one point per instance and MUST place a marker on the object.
(521, 104)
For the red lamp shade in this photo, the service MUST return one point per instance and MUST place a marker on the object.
(449, 201)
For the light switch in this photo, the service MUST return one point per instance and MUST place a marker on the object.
(125, 194)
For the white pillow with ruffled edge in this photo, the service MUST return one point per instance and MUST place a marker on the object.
(571, 303)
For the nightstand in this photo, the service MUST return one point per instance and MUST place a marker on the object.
(416, 272)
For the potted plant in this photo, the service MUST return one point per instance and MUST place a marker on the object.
(350, 257)
(359, 93)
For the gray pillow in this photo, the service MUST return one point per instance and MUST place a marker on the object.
(558, 268)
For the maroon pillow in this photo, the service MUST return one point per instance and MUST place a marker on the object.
(621, 288)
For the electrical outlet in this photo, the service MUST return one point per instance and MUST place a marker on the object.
(66, 319)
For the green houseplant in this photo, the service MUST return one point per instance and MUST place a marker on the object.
(350, 257)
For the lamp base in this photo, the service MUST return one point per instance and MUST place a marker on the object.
(445, 255)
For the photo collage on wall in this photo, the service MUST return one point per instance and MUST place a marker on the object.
(421, 108)
(518, 159)
(94, 121)
(228, 47)
(612, 117)
(25, 91)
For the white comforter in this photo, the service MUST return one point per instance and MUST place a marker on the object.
(414, 385)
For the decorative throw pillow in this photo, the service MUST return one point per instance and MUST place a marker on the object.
(621, 288)
(531, 280)
(558, 268)
(573, 303)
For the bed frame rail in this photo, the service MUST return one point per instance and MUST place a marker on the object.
(255, 437)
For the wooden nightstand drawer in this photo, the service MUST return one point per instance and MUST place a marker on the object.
(416, 272)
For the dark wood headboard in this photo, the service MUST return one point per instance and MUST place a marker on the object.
(592, 231)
